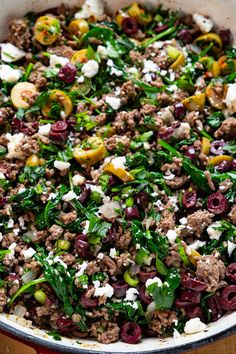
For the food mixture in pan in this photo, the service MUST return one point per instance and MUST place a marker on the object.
(117, 172)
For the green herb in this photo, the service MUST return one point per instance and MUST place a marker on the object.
(127, 311)
(230, 147)
(32, 174)
(97, 229)
(55, 335)
(158, 37)
(215, 119)
(25, 288)
(27, 73)
(164, 295)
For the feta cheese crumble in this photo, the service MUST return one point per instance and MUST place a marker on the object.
(131, 294)
(194, 325)
(153, 281)
(10, 53)
(61, 165)
(114, 102)
(44, 129)
(29, 253)
(106, 290)
(171, 235)
(91, 8)
(56, 62)
(204, 23)
(119, 162)
(212, 231)
(149, 66)
(13, 146)
(9, 74)
(90, 69)
(78, 180)
(230, 98)
(69, 196)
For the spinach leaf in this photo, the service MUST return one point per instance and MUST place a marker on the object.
(127, 311)
(25, 200)
(164, 295)
(32, 174)
(215, 119)
(230, 147)
(97, 229)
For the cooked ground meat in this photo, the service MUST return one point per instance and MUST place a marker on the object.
(227, 129)
(232, 215)
(160, 320)
(116, 141)
(211, 271)
(37, 76)
(105, 331)
(62, 51)
(198, 222)
(67, 218)
(19, 34)
(177, 182)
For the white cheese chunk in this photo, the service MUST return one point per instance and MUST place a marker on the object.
(78, 180)
(131, 294)
(171, 235)
(10, 224)
(102, 51)
(61, 165)
(149, 66)
(57, 259)
(56, 62)
(2, 176)
(29, 253)
(106, 290)
(82, 268)
(91, 8)
(90, 69)
(44, 129)
(108, 210)
(231, 247)
(194, 246)
(194, 325)
(9, 74)
(14, 144)
(153, 281)
(114, 102)
(10, 53)
(119, 162)
(69, 196)
(212, 231)
(112, 253)
(204, 23)
(230, 98)
(182, 131)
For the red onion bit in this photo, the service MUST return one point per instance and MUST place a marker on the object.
(189, 198)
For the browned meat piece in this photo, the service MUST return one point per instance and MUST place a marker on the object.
(232, 215)
(160, 320)
(62, 51)
(29, 146)
(173, 259)
(19, 33)
(68, 258)
(168, 218)
(105, 331)
(92, 268)
(124, 120)
(211, 271)
(101, 119)
(55, 231)
(175, 166)
(197, 222)
(227, 129)
(108, 265)
(5, 114)
(209, 180)
(3, 299)
(148, 109)
(37, 76)
(116, 141)
(194, 119)
(128, 90)
(164, 99)
(123, 240)
(67, 218)
(177, 182)
(136, 56)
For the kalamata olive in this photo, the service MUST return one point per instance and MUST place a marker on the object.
(228, 298)
(161, 28)
(233, 165)
(120, 289)
(214, 306)
(142, 199)
(144, 276)
(3, 201)
(192, 296)
(65, 325)
(190, 152)
(225, 36)
(224, 166)
(193, 312)
(189, 198)
(131, 333)
(17, 124)
(88, 301)
(179, 111)
(231, 272)
(217, 203)
(217, 147)
(192, 284)
(84, 196)
(144, 296)
(132, 213)
(59, 131)
(111, 235)
(185, 36)
(82, 246)
(130, 26)
(67, 73)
